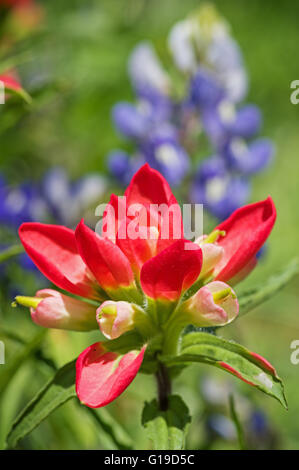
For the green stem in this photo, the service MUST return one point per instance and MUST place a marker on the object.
(172, 331)
(237, 423)
(164, 386)
(10, 252)
(171, 339)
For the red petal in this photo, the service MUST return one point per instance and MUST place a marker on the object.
(150, 191)
(138, 250)
(106, 261)
(54, 251)
(148, 187)
(101, 377)
(244, 272)
(114, 214)
(246, 229)
(172, 271)
(10, 82)
(171, 225)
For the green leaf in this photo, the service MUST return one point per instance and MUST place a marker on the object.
(125, 343)
(167, 429)
(17, 59)
(232, 357)
(237, 422)
(20, 92)
(110, 426)
(29, 349)
(14, 250)
(259, 294)
(56, 392)
(13, 335)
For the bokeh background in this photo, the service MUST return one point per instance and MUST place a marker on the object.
(74, 65)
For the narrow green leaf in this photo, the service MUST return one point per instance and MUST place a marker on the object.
(17, 59)
(21, 93)
(167, 429)
(29, 349)
(259, 294)
(10, 252)
(125, 343)
(110, 426)
(13, 335)
(232, 357)
(56, 392)
(237, 422)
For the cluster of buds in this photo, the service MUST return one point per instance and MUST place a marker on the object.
(148, 288)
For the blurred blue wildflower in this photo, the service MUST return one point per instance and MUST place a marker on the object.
(169, 128)
(19, 204)
(222, 181)
(150, 122)
(66, 201)
(248, 158)
(258, 423)
(220, 191)
(218, 422)
(54, 200)
(204, 38)
(221, 426)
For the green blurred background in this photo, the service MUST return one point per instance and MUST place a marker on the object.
(75, 67)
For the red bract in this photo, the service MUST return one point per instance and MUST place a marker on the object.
(133, 274)
(54, 251)
(101, 375)
(106, 261)
(10, 82)
(246, 230)
(172, 271)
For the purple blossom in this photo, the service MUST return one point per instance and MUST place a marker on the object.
(219, 191)
(248, 158)
(166, 126)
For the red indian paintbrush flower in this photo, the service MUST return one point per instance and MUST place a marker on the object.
(11, 84)
(140, 286)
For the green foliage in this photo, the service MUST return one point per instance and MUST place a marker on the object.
(166, 429)
(110, 426)
(252, 298)
(8, 370)
(10, 252)
(53, 395)
(230, 356)
(56, 392)
(237, 422)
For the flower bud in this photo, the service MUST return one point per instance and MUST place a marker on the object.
(115, 318)
(211, 255)
(213, 305)
(51, 309)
